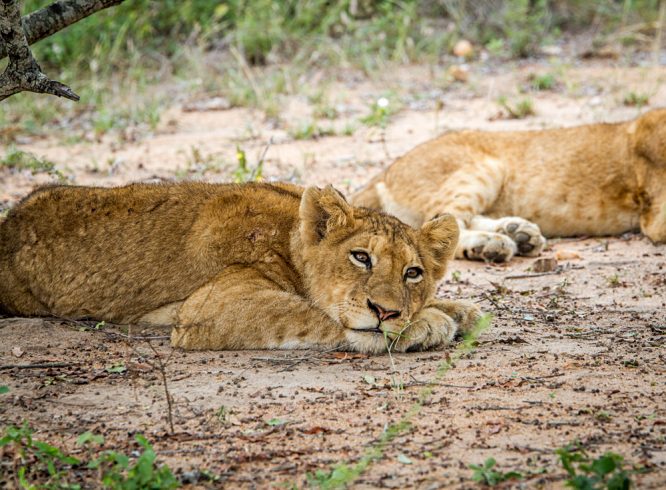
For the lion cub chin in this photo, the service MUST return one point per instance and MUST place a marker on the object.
(251, 266)
(509, 189)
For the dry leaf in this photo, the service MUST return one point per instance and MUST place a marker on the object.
(17, 351)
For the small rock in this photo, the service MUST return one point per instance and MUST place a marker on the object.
(464, 49)
(551, 50)
(212, 104)
(545, 264)
(460, 73)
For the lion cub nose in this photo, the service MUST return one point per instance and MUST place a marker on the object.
(382, 313)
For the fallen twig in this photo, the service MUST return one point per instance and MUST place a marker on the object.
(538, 274)
(40, 365)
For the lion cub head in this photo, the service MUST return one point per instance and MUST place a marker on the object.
(650, 138)
(366, 269)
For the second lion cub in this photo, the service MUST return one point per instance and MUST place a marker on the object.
(508, 188)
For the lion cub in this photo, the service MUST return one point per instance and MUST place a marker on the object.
(252, 266)
(507, 188)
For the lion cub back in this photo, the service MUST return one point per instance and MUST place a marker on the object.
(126, 250)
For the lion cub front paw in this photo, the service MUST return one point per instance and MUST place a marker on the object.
(465, 314)
(437, 324)
(430, 329)
(527, 235)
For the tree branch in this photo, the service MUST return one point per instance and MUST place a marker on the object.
(23, 72)
(55, 17)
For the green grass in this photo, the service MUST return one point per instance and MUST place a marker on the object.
(545, 81)
(116, 57)
(605, 472)
(310, 130)
(517, 109)
(488, 475)
(381, 111)
(636, 99)
(16, 159)
(41, 465)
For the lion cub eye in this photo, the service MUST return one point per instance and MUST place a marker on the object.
(413, 274)
(360, 258)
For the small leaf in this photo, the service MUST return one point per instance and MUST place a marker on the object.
(4, 389)
(116, 368)
(276, 422)
(404, 459)
(89, 437)
(368, 378)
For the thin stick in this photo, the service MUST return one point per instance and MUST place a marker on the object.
(162, 369)
(42, 365)
(527, 276)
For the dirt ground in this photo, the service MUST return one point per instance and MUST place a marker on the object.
(575, 353)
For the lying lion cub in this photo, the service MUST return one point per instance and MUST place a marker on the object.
(506, 188)
(250, 266)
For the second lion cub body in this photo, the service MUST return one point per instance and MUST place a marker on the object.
(507, 188)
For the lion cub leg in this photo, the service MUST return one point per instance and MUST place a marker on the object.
(525, 235)
(437, 324)
(242, 309)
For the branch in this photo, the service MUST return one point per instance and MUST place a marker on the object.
(23, 72)
(55, 17)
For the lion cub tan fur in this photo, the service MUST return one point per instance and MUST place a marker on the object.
(232, 266)
(507, 188)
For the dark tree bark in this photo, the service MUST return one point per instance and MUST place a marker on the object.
(55, 17)
(23, 73)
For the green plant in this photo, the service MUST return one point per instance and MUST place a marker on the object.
(4, 389)
(614, 280)
(23, 160)
(495, 46)
(310, 130)
(243, 172)
(487, 475)
(381, 111)
(546, 81)
(519, 109)
(605, 472)
(145, 474)
(525, 25)
(38, 461)
(635, 99)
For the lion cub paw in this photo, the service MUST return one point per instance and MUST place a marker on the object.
(527, 235)
(486, 246)
(465, 314)
(437, 324)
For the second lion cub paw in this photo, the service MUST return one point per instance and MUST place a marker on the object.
(527, 235)
(486, 246)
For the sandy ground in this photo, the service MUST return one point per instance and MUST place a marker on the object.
(576, 353)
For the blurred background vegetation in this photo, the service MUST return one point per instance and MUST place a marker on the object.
(114, 58)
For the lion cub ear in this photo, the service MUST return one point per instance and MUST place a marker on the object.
(322, 211)
(440, 237)
(651, 136)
